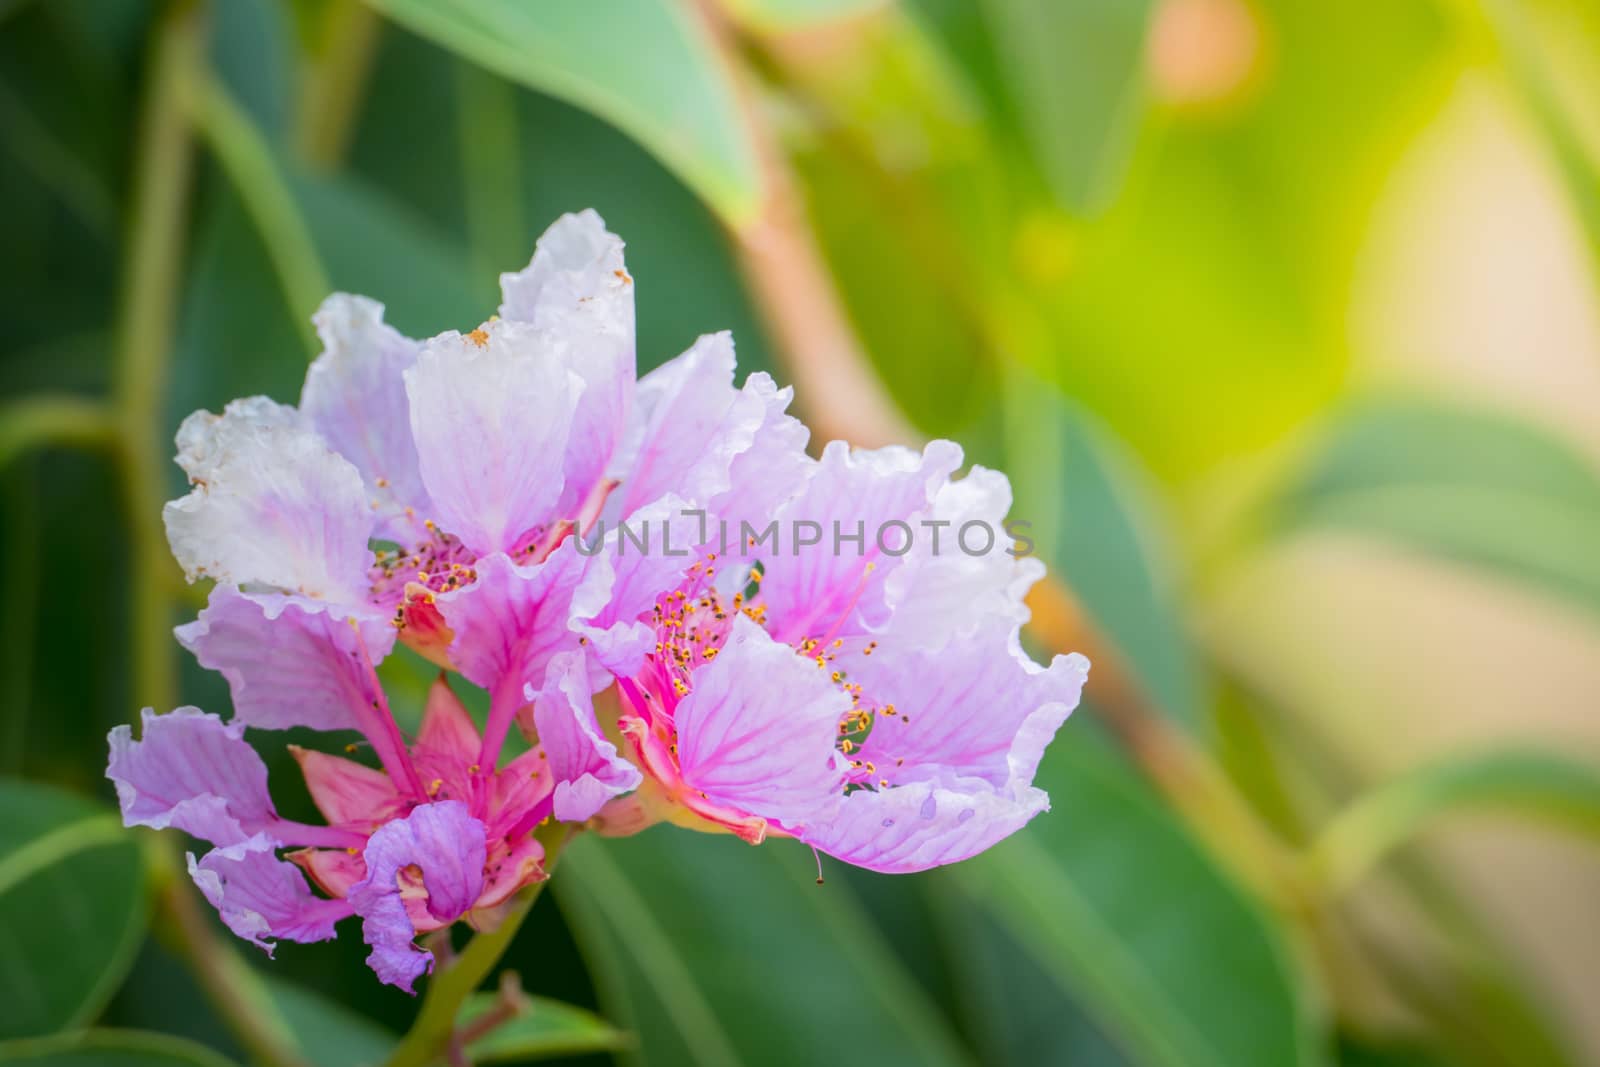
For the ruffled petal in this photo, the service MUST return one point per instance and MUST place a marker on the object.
(926, 824)
(260, 896)
(587, 768)
(192, 771)
(757, 731)
(272, 504)
(775, 467)
(355, 397)
(577, 284)
(491, 413)
(977, 708)
(289, 660)
(837, 589)
(447, 844)
(689, 424)
(972, 578)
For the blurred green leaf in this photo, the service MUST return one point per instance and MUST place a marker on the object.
(1091, 517)
(544, 1029)
(712, 953)
(1120, 907)
(328, 1033)
(1471, 486)
(1545, 786)
(642, 65)
(1072, 68)
(72, 908)
(109, 1048)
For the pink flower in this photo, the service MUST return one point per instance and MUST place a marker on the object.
(405, 860)
(467, 461)
(874, 701)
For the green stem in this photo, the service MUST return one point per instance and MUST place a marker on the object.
(147, 307)
(429, 1036)
(36, 421)
(248, 160)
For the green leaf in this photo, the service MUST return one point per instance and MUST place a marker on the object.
(1092, 522)
(1072, 69)
(1470, 486)
(1131, 919)
(72, 908)
(544, 1029)
(109, 1048)
(642, 65)
(1543, 786)
(713, 952)
(328, 1033)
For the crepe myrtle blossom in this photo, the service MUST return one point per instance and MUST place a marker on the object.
(427, 491)
(404, 863)
(878, 707)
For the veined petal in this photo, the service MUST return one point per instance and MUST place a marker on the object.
(260, 896)
(272, 504)
(355, 397)
(972, 578)
(577, 285)
(977, 708)
(514, 619)
(491, 413)
(690, 426)
(926, 824)
(447, 844)
(587, 769)
(757, 731)
(289, 660)
(192, 771)
(820, 589)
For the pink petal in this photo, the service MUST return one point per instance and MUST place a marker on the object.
(757, 731)
(259, 896)
(272, 504)
(491, 414)
(347, 792)
(192, 771)
(447, 844)
(586, 767)
(355, 397)
(448, 732)
(822, 591)
(289, 661)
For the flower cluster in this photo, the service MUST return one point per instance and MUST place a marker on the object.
(453, 494)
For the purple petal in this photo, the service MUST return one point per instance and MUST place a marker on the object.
(192, 771)
(447, 844)
(511, 621)
(977, 708)
(689, 424)
(577, 284)
(973, 578)
(272, 504)
(757, 731)
(289, 661)
(491, 413)
(355, 397)
(588, 771)
(913, 827)
(260, 896)
(821, 589)
(775, 466)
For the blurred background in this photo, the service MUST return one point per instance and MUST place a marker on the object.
(1283, 316)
